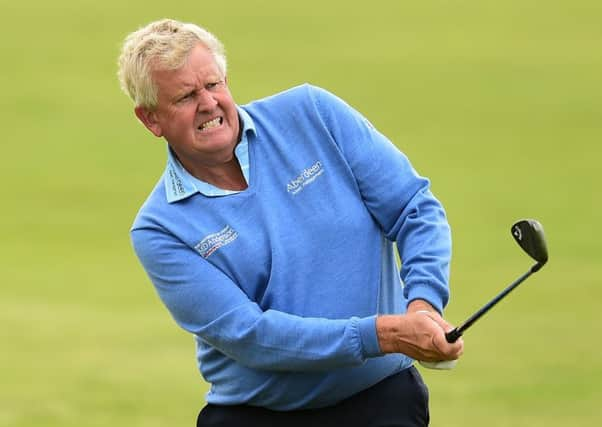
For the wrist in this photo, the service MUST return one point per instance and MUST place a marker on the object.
(388, 331)
(420, 305)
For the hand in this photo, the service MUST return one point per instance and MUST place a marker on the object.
(419, 334)
(421, 306)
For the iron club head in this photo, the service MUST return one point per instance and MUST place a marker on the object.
(529, 234)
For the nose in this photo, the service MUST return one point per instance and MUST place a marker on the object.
(206, 101)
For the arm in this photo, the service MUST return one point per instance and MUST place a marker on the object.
(397, 197)
(401, 202)
(207, 303)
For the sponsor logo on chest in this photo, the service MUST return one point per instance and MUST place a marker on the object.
(305, 178)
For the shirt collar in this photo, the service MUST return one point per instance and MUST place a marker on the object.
(179, 184)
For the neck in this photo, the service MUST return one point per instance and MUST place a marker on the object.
(227, 176)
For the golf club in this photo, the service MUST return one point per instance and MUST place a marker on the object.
(529, 234)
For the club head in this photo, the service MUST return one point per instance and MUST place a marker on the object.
(529, 234)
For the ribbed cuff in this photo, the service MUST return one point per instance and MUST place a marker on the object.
(428, 294)
(367, 328)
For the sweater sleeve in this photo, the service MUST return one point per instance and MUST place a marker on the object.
(398, 198)
(205, 302)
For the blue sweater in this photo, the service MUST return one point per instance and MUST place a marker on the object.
(281, 283)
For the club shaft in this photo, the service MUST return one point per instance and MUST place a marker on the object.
(453, 335)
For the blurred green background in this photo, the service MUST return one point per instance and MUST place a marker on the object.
(500, 103)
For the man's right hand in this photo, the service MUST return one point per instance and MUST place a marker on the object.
(419, 335)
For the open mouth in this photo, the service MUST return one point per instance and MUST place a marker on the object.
(211, 124)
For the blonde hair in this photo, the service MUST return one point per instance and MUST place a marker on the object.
(165, 45)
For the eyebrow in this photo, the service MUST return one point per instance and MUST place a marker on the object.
(188, 88)
(183, 91)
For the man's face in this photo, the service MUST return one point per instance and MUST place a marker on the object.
(195, 112)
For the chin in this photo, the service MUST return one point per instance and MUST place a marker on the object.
(221, 147)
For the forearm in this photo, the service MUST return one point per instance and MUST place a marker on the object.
(423, 239)
(277, 341)
(206, 302)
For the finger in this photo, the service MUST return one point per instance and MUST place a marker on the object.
(443, 324)
(459, 347)
(451, 351)
(446, 349)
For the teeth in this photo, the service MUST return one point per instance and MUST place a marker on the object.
(211, 124)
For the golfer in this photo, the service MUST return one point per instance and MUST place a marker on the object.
(271, 238)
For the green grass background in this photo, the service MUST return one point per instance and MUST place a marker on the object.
(499, 102)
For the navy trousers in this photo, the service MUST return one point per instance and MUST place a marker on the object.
(398, 401)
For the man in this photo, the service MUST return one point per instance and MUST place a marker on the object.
(270, 238)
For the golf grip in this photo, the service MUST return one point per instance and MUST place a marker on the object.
(453, 335)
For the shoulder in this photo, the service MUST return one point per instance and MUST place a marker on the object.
(152, 208)
(305, 94)
(299, 106)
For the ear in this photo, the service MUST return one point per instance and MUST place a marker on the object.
(149, 119)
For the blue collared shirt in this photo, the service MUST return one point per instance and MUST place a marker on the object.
(180, 184)
(281, 284)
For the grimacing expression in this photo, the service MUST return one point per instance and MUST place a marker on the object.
(195, 111)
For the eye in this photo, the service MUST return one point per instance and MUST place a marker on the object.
(186, 97)
(213, 85)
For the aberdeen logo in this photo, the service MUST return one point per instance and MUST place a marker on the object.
(176, 183)
(305, 178)
(214, 241)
